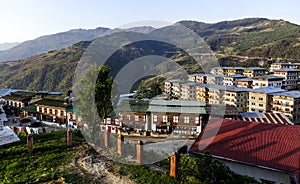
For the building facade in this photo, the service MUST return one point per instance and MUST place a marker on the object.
(291, 77)
(287, 103)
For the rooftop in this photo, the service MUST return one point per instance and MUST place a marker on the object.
(52, 103)
(268, 90)
(255, 68)
(235, 76)
(287, 70)
(224, 88)
(294, 94)
(268, 77)
(268, 145)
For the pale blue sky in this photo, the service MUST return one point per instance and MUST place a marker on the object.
(22, 20)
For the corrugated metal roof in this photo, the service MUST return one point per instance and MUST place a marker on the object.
(274, 118)
(261, 144)
(294, 94)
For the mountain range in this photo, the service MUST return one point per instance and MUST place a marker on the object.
(51, 60)
(58, 41)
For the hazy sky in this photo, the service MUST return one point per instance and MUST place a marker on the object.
(22, 20)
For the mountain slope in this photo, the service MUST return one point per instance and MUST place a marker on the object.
(246, 42)
(50, 42)
(250, 37)
(58, 41)
(52, 71)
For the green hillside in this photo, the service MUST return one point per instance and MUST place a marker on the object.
(52, 71)
(256, 37)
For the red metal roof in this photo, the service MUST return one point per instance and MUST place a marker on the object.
(270, 145)
(275, 118)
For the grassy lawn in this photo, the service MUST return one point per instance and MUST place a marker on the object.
(49, 162)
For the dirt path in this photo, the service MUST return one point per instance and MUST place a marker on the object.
(97, 168)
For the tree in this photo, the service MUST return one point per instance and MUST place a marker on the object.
(93, 99)
(103, 89)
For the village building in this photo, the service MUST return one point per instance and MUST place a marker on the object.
(291, 77)
(287, 103)
(188, 91)
(260, 99)
(231, 80)
(267, 152)
(173, 88)
(181, 117)
(55, 110)
(198, 77)
(202, 93)
(215, 79)
(267, 80)
(277, 66)
(254, 71)
(244, 82)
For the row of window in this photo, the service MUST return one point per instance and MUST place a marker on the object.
(186, 119)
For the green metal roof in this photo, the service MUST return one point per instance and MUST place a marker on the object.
(30, 109)
(52, 103)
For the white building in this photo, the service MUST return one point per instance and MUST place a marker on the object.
(291, 77)
(267, 80)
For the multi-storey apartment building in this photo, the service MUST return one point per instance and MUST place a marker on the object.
(244, 82)
(237, 97)
(231, 80)
(291, 77)
(254, 71)
(260, 99)
(267, 80)
(277, 66)
(173, 88)
(215, 79)
(198, 77)
(233, 70)
(188, 91)
(202, 93)
(287, 103)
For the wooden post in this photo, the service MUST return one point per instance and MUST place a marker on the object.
(174, 165)
(120, 144)
(69, 137)
(106, 139)
(30, 143)
(139, 152)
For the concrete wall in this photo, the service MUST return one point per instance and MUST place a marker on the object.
(258, 173)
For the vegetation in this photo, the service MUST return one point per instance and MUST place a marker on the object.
(148, 92)
(50, 160)
(191, 170)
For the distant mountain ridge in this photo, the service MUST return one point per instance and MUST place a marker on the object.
(5, 46)
(58, 41)
(246, 42)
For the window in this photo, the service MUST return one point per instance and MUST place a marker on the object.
(261, 98)
(136, 118)
(108, 121)
(197, 120)
(155, 118)
(175, 119)
(120, 116)
(252, 97)
(252, 103)
(261, 105)
(128, 116)
(165, 118)
(186, 119)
